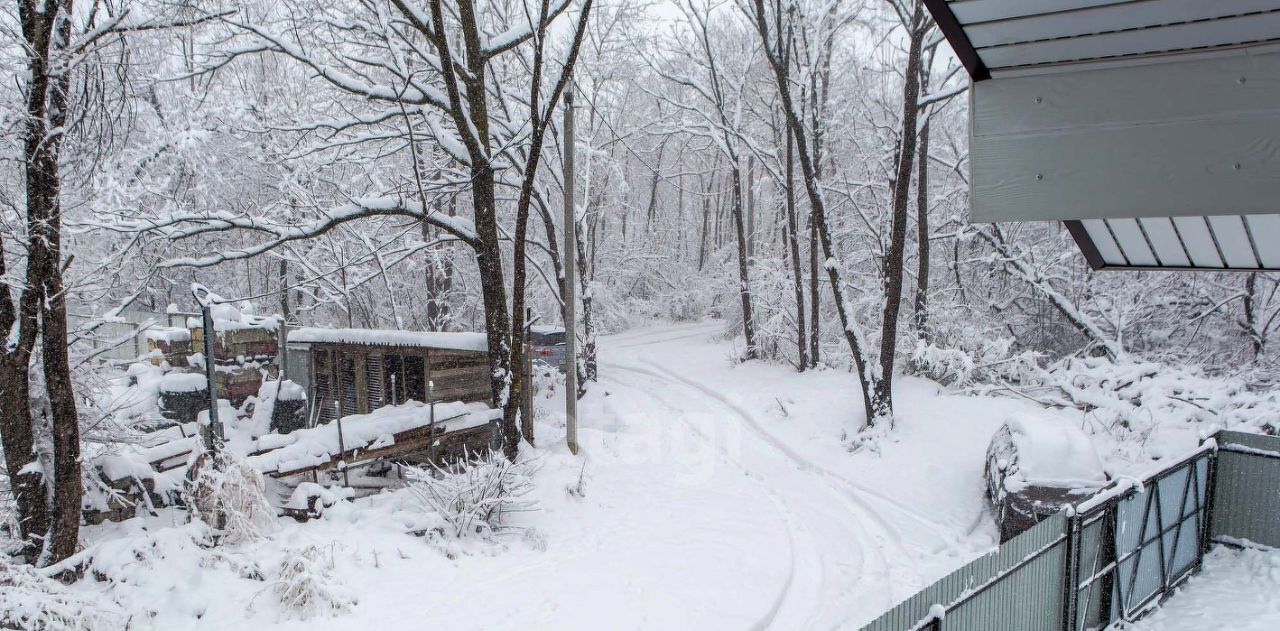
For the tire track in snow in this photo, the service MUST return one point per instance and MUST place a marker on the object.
(864, 541)
(684, 334)
(803, 463)
(787, 515)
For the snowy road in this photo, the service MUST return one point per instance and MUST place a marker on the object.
(852, 551)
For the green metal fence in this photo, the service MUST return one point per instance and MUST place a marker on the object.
(1115, 555)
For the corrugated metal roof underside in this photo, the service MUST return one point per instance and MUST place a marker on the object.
(1016, 34)
(1222, 242)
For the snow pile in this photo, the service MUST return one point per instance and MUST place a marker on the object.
(29, 600)
(389, 337)
(982, 360)
(311, 447)
(131, 398)
(310, 496)
(135, 461)
(477, 500)
(170, 576)
(1052, 453)
(1139, 412)
(263, 404)
(306, 587)
(1236, 589)
(184, 382)
(228, 317)
(290, 391)
(167, 334)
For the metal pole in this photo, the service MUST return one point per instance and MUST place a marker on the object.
(342, 447)
(204, 298)
(526, 416)
(570, 258)
(431, 422)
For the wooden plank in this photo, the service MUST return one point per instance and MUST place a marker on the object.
(1176, 169)
(1262, 27)
(1106, 18)
(1210, 88)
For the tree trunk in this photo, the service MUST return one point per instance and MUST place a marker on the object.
(590, 370)
(744, 278)
(706, 219)
(283, 276)
(439, 281)
(1256, 339)
(794, 243)
(882, 403)
(921, 307)
(46, 28)
(852, 332)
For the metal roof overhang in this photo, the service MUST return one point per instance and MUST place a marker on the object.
(1150, 127)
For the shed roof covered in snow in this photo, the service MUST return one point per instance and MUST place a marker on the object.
(1151, 128)
(459, 341)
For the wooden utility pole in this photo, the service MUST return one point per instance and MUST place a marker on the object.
(570, 283)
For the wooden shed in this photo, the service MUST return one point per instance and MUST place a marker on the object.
(356, 371)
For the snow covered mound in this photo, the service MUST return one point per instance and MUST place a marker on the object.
(183, 382)
(1053, 453)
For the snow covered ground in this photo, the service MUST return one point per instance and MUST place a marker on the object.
(1235, 590)
(708, 494)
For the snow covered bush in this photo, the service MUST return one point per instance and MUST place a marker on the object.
(306, 587)
(229, 496)
(477, 500)
(33, 602)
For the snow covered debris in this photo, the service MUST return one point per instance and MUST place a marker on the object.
(311, 447)
(230, 496)
(1236, 589)
(314, 498)
(31, 601)
(306, 587)
(459, 341)
(478, 499)
(228, 317)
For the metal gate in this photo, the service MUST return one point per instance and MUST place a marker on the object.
(1136, 542)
